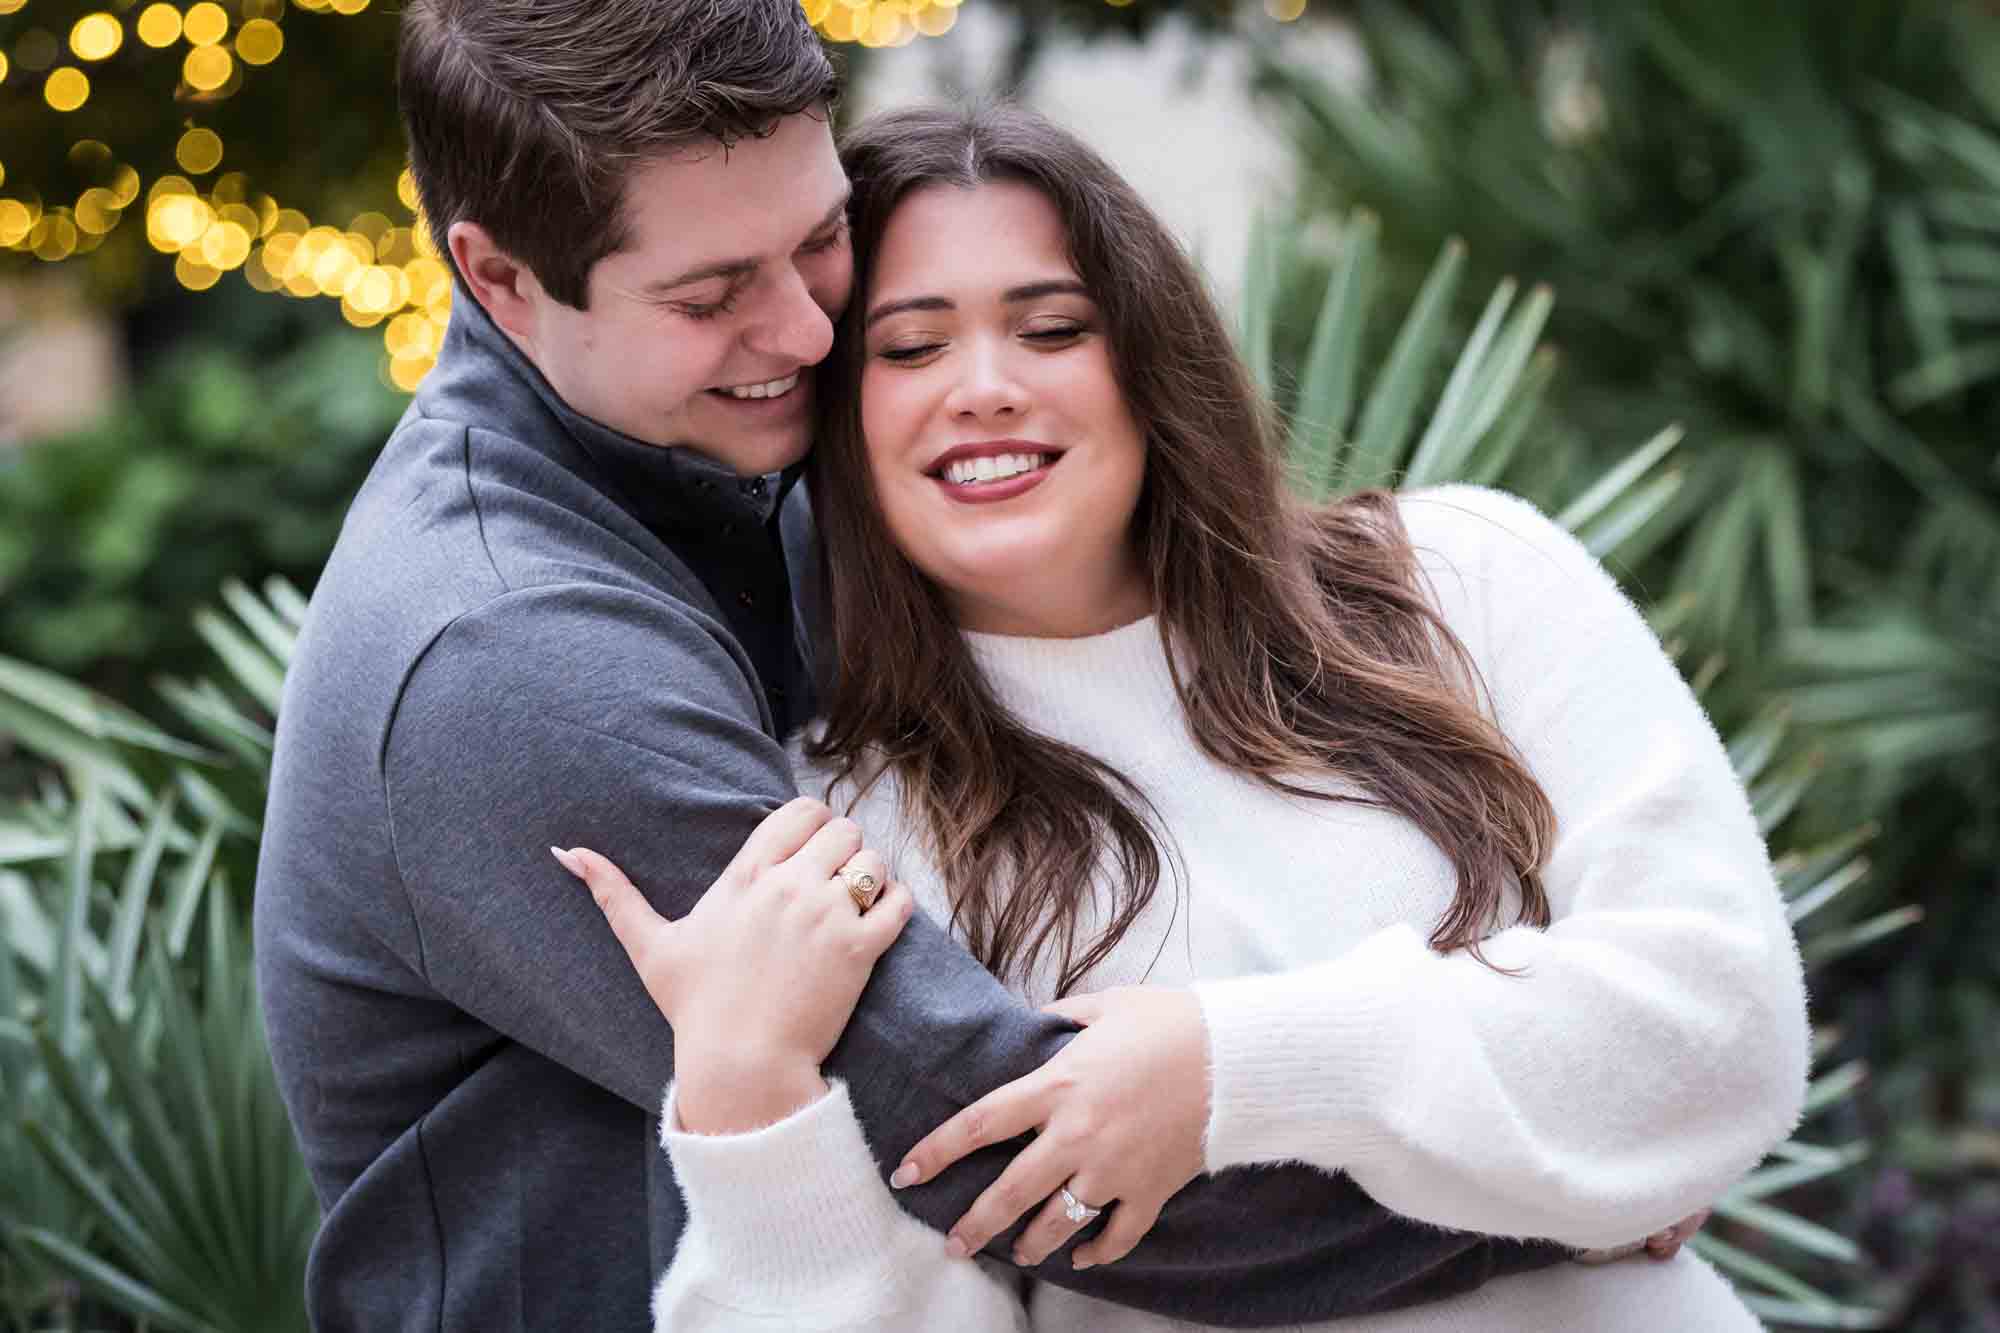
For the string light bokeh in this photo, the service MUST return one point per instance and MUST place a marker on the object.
(210, 215)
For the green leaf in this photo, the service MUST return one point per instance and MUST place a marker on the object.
(1399, 388)
(1809, 1237)
(1326, 390)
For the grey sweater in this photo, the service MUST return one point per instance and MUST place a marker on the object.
(535, 631)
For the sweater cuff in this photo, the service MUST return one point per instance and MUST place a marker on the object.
(1303, 1065)
(794, 1209)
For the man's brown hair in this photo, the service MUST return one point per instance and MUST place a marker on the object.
(528, 116)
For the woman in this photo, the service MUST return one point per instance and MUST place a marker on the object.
(1383, 836)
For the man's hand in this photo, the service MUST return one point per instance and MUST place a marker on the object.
(759, 980)
(1119, 1114)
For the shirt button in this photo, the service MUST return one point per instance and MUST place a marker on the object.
(754, 488)
(744, 599)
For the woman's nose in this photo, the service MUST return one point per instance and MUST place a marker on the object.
(986, 387)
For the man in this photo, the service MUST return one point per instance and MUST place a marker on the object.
(565, 610)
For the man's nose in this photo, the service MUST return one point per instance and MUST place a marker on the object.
(798, 329)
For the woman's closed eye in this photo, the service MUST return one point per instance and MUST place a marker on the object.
(1047, 337)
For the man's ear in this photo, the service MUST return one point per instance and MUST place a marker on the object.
(500, 283)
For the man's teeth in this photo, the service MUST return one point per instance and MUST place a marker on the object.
(768, 389)
(994, 467)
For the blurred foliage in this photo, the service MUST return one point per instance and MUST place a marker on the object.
(1779, 226)
(146, 1164)
(236, 456)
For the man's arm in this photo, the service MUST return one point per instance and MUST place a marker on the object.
(591, 716)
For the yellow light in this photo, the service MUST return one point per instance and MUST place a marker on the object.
(374, 290)
(426, 276)
(199, 151)
(842, 24)
(15, 221)
(195, 275)
(97, 211)
(11, 6)
(243, 216)
(259, 41)
(406, 189)
(937, 20)
(258, 276)
(3, 66)
(816, 10)
(349, 6)
(289, 220)
(207, 68)
(67, 89)
(169, 185)
(1285, 11)
(53, 239)
(278, 254)
(176, 221)
(160, 25)
(230, 188)
(206, 24)
(301, 285)
(3, 173)
(96, 37)
(124, 186)
(334, 268)
(358, 317)
(407, 375)
(225, 246)
(884, 27)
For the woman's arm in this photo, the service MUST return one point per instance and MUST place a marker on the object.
(1653, 1044)
(789, 1225)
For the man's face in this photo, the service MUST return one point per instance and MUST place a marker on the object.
(703, 329)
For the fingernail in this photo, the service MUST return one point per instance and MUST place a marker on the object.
(906, 1175)
(1079, 1263)
(1021, 1259)
(568, 861)
(956, 1248)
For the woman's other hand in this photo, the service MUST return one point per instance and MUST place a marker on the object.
(759, 980)
(1119, 1115)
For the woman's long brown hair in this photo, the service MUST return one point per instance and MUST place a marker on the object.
(1302, 646)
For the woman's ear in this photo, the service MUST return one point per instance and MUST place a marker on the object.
(504, 287)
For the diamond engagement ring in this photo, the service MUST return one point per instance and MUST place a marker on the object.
(1075, 1209)
(862, 887)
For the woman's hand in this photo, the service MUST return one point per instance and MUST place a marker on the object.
(759, 980)
(1120, 1116)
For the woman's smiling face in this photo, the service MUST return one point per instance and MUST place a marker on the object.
(1006, 462)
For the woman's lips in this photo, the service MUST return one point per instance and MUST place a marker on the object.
(989, 492)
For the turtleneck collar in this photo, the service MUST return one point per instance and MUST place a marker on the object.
(1102, 692)
(481, 376)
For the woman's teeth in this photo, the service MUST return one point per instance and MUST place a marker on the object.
(768, 389)
(994, 467)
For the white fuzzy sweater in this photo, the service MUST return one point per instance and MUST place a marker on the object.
(1654, 1047)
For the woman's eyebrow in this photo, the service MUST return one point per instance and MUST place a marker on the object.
(888, 308)
(1031, 291)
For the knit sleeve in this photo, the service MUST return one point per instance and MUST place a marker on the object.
(790, 1227)
(1653, 1044)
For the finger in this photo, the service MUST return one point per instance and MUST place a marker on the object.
(867, 862)
(1035, 1173)
(1009, 1110)
(782, 833)
(1082, 1010)
(633, 920)
(830, 847)
(884, 922)
(1049, 1232)
(1127, 1226)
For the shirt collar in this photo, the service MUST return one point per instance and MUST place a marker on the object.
(482, 377)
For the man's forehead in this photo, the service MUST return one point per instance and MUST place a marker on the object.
(711, 205)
